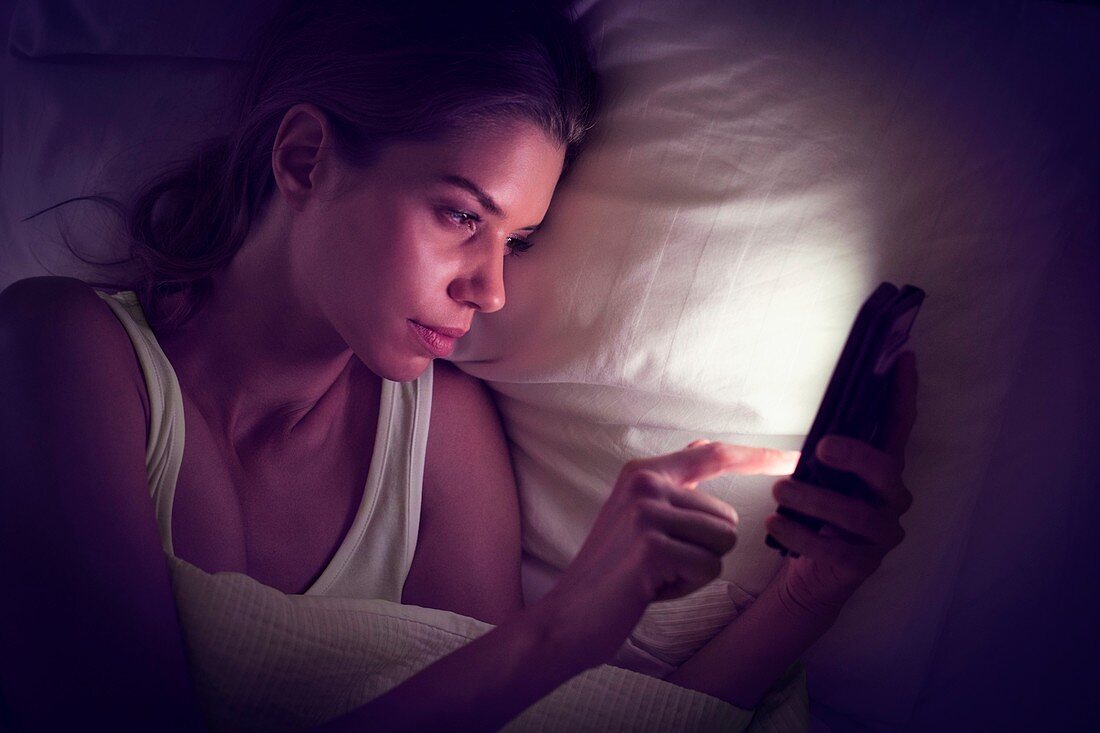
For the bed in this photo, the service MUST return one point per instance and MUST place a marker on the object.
(759, 169)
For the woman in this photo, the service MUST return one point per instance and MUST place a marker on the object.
(385, 162)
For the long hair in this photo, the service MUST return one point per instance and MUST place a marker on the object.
(381, 72)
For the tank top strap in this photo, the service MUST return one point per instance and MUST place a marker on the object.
(164, 447)
(375, 556)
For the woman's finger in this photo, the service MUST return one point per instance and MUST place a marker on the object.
(855, 517)
(692, 465)
(748, 460)
(901, 413)
(692, 565)
(689, 498)
(702, 528)
(692, 444)
(878, 469)
(846, 557)
(799, 538)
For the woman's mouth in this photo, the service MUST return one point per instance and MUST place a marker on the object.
(434, 342)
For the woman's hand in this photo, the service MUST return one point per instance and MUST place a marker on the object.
(654, 539)
(835, 560)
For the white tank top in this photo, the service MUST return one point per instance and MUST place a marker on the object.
(374, 557)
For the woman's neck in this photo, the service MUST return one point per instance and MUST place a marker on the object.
(260, 361)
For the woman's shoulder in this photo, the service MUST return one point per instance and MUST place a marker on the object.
(49, 291)
(58, 323)
(48, 303)
(83, 550)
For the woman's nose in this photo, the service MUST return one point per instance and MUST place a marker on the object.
(483, 285)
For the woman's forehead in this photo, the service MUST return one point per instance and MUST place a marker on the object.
(488, 154)
(498, 137)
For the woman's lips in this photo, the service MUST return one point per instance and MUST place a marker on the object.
(436, 343)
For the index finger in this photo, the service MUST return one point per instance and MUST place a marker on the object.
(702, 462)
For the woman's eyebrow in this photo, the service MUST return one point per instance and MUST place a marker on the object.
(482, 198)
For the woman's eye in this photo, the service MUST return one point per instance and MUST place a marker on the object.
(518, 245)
(515, 245)
(462, 217)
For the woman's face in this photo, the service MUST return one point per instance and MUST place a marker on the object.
(422, 237)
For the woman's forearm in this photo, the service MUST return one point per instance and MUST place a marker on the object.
(745, 659)
(480, 686)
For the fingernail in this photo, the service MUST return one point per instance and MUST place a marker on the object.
(832, 449)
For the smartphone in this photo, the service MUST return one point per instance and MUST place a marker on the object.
(856, 399)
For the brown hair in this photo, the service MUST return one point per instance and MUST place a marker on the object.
(382, 72)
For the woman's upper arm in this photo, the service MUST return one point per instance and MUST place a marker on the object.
(88, 625)
(468, 553)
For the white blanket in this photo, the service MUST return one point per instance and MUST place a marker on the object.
(265, 660)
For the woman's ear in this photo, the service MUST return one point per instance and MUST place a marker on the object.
(303, 160)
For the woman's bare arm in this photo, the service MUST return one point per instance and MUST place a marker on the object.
(745, 659)
(481, 686)
(88, 626)
(468, 553)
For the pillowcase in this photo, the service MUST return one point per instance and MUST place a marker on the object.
(761, 168)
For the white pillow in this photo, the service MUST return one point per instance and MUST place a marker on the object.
(762, 169)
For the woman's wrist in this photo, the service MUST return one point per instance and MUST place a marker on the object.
(799, 602)
(744, 661)
(555, 625)
(482, 685)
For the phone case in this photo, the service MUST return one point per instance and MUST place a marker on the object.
(855, 400)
